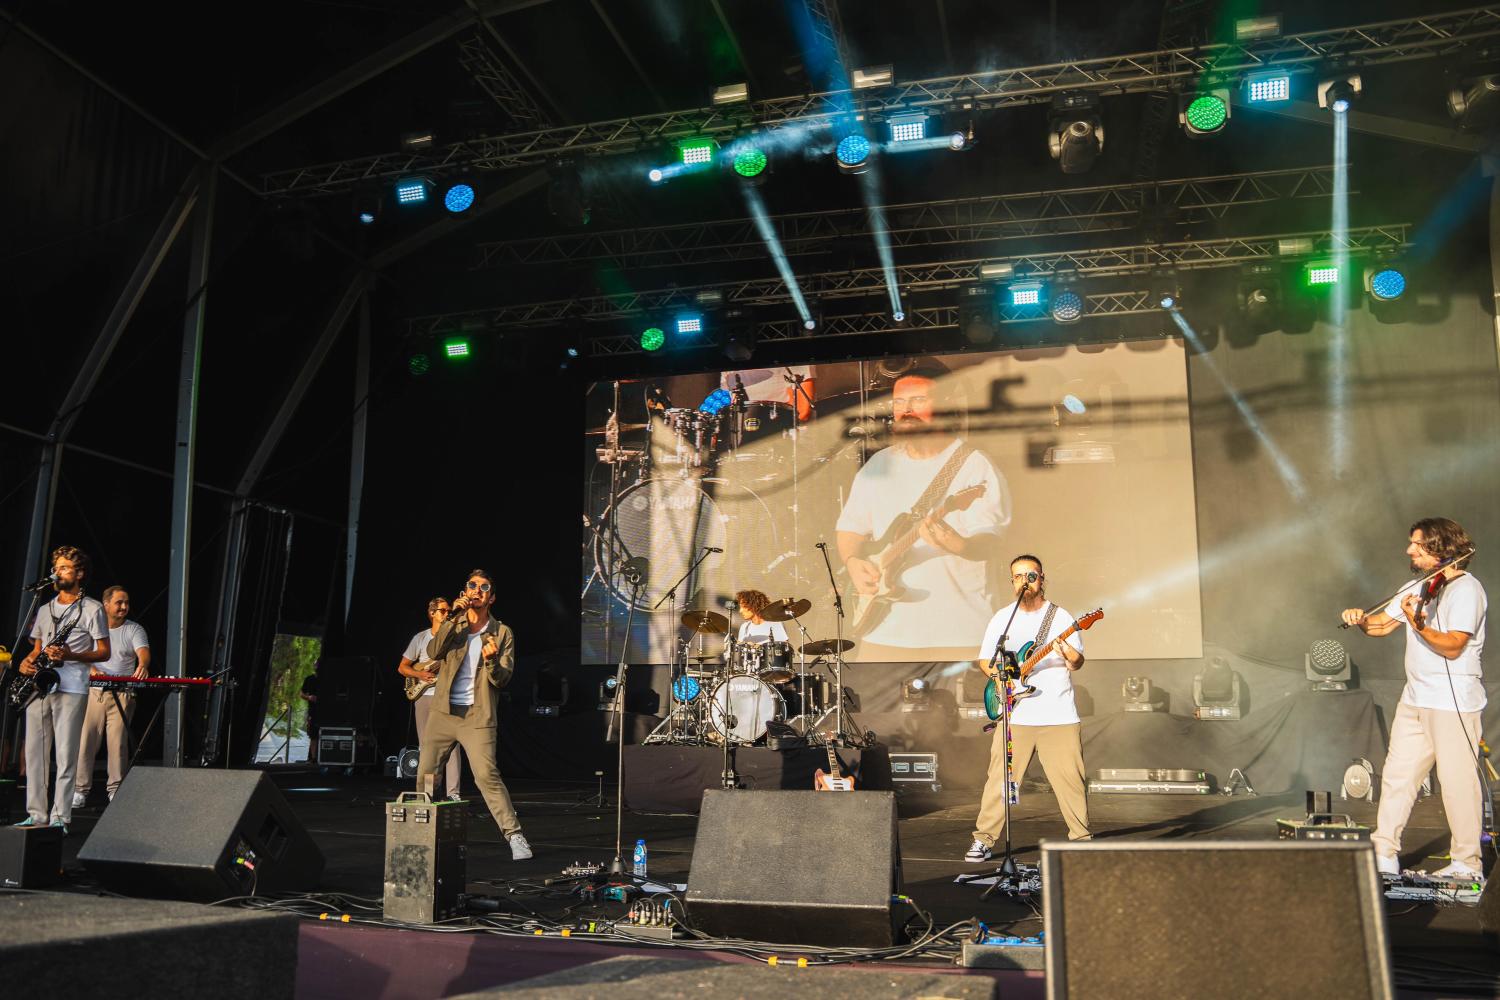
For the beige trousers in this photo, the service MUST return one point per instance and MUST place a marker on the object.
(454, 771)
(1421, 737)
(443, 732)
(1061, 750)
(103, 722)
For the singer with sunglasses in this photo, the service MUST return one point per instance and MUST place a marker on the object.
(476, 656)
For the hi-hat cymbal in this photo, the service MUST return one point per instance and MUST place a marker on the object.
(705, 621)
(701, 657)
(785, 610)
(624, 429)
(827, 647)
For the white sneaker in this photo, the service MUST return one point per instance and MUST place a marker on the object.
(977, 852)
(1387, 865)
(1458, 873)
(519, 849)
(79, 798)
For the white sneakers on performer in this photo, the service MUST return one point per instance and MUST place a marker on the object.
(519, 849)
(977, 852)
(1458, 873)
(79, 800)
(1386, 865)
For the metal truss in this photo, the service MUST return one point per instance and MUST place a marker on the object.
(931, 223)
(501, 84)
(1375, 44)
(1125, 303)
(1094, 263)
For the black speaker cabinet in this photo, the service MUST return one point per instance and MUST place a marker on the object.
(1233, 920)
(200, 834)
(30, 857)
(796, 867)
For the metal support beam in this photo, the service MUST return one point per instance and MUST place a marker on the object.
(1427, 37)
(946, 222)
(486, 22)
(224, 627)
(184, 462)
(501, 84)
(635, 63)
(50, 464)
(734, 43)
(1385, 126)
(1085, 263)
(358, 434)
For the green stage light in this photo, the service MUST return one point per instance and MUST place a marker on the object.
(1320, 274)
(696, 152)
(1206, 113)
(456, 348)
(652, 338)
(749, 162)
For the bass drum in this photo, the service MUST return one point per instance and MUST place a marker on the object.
(741, 706)
(668, 522)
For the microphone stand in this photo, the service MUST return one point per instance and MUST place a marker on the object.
(637, 580)
(1008, 862)
(838, 656)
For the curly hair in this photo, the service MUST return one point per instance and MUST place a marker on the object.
(1442, 537)
(752, 599)
(72, 554)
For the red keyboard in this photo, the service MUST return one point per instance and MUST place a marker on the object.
(110, 682)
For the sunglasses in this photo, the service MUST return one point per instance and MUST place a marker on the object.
(483, 588)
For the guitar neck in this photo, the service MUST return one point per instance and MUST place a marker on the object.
(1038, 655)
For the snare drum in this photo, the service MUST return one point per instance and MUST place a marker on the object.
(740, 707)
(776, 664)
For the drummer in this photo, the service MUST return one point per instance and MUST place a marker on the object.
(754, 628)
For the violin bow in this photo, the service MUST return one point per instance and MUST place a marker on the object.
(1381, 604)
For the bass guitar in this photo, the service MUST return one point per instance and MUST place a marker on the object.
(888, 553)
(1029, 656)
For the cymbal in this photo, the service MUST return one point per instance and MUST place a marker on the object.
(785, 611)
(750, 376)
(827, 647)
(701, 657)
(624, 429)
(705, 621)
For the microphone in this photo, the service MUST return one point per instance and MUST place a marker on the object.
(710, 548)
(1031, 578)
(821, 545)
(41, 584)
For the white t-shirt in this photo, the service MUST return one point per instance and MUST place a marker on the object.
(773, 630)
(123, 643)
(92, 625)
(1460, 607)
(948, 602)
(1052, 705)
(462, 691)
(416, 652)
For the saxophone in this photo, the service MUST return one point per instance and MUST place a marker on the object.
(27, 688)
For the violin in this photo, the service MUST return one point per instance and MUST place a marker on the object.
(1428, 587)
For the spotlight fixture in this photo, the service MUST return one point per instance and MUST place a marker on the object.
(873, 76)
(916, 694)
(417, 142)
(1474, 102)
(412, 191)
(696, 152)
(1248, 29)
(608, 692)
(731, 93)
(459, 197)
(656, 175)
(738, 343)
(1320, 273)
(976, 313)
(652, 338)
(689, 324)
(1204, 112)
(367, 208)
(419, 363)
(1075, 133)
(1327, 666)
(1339, 93)
(1026, 293)
(567, 200)
(908, 127)
(1259, 296)
(1001, 270)
(853, 154)
(1218, 692)
(1066, 304)
(1385, 282)
(456, 348)
(549, 693)
(1139, 696)
(1165, 291)
(1268, 88)
(1360, 781)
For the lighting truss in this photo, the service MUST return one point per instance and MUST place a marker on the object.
(501, 84)
(930, 223)
(1105, 262)
(1426, 37)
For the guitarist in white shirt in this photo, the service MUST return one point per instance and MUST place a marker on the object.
(1046, 722)
(416, 664)
(944, 597)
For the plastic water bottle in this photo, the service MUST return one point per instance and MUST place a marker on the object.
(638, 864)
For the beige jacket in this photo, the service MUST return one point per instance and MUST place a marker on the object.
(447, 647)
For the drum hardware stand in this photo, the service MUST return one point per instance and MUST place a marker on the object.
(671, 595)
(1010, 669)
(798, 394)
(838, 660)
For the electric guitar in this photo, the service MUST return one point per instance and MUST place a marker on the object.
(889, 552)
(834, 780)
(415, 686)
(1029, 656)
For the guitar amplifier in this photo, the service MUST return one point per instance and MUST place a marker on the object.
(30, 857)
(426, 858)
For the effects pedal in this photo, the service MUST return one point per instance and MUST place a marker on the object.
(1004, 951)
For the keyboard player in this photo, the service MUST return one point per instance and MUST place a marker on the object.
(107, 718)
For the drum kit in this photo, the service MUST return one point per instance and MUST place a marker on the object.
(736, 691)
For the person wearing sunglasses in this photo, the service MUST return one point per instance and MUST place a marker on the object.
(476, 654)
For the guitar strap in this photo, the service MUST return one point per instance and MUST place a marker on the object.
(938, 488)
(1046, 627)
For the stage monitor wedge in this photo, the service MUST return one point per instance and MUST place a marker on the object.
(1232, 920)
(200, 834)
(794, 867)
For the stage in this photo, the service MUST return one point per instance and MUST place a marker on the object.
(1431, 945)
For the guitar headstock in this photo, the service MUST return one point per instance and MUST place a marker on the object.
(964, 498)
(1087, 621)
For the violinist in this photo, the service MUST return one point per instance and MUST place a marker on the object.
(1437, 720)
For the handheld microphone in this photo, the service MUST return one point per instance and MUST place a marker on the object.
(710, 548)
(41, 584)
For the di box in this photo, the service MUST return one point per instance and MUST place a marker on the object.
(426, 867)
(30, 857)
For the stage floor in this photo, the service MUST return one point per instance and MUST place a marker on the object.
(565, 824)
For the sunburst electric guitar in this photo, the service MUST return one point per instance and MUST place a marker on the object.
(1029, 656)
(888, 553)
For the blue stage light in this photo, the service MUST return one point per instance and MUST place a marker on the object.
(716, 401)
(1269, 88)
(458, 198)
(853, 151)
(411, 192)
(1028, 294)
(689, 324)
(1387, 284)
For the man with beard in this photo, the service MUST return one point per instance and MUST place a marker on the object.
(1438, 718)
(73, 633)
(938, 593)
